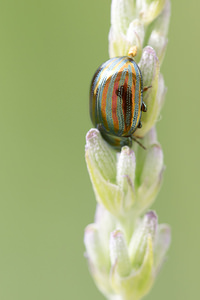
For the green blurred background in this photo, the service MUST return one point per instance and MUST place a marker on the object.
(48, 53)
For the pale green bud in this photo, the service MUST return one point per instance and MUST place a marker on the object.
(162, 90)
(97, 239)
(101, 155)
(149, 10)
(126, 167)
(119, 253)
(106, 223)
(158, 37)
(161, 24)
(162, 243)
(148, 173)
(153, 97)
(159, 43)
(101, 164)
(135, 36)
(122, 13)
(139, 241)
(95, 251)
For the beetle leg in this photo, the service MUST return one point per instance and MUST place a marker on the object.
(139, 124)
(144, 107)
(100, 127)
(140, 144)
(146, 88)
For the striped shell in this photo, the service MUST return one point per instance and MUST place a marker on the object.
(116, 99)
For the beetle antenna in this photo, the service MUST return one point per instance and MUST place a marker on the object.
(146, 88)
(140, 144)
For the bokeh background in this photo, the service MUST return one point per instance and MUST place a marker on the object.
(49, 51)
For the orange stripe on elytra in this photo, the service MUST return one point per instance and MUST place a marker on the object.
(115, 101)
(133, 91)
(104, 101)
(139, 101)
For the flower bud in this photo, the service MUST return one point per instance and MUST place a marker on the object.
(122, 13)
(159, 43)
(96, 239)
(106, 223)
(149, 10)
(151, 174)
(161, 24)
(126, 167)
(138, 244)
(119, 253)
(162, 243)
(158, 37)
(94, 248)
(150, 68)
(101, 155)
(101, 165)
